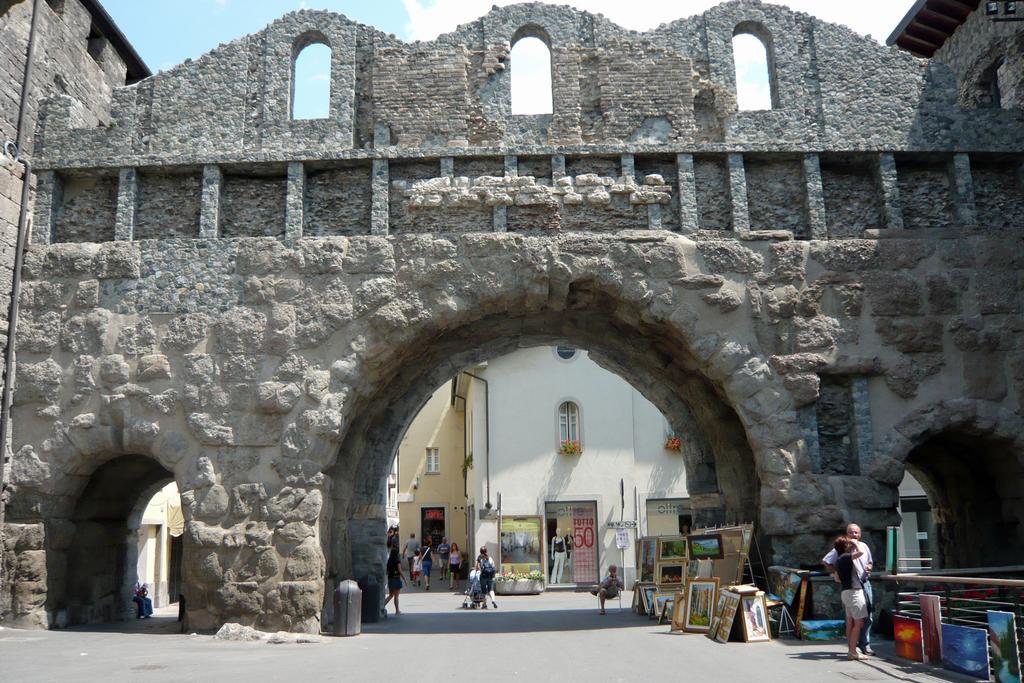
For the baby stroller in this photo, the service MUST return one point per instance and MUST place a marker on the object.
(474, 596)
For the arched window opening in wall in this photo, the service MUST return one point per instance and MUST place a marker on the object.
(569, 423)
(755, 80)
(530, 65)
(311, 82)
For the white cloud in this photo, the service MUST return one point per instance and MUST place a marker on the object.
(430, 18)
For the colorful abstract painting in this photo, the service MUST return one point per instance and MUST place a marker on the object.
(931, 628)
(1002, 640)
(908, 637)
(965, 650)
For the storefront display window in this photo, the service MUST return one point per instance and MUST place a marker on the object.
(522, 544)
(571, 535)
(668, 516)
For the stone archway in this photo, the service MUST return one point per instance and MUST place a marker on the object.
(969, 457)
(692, 385)
(101, 553)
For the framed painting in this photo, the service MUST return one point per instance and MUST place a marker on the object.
(647, 552)
(706, 547)
(748, 536)
(716, 616)
(908, 638)
(672, 549)
(965, 650)
(661, 602)
(678, 612)
(755, 618)
(931, 627)
(1005, 654)
(670, 573)
(728, 603)
(648, 598)
(700, 605)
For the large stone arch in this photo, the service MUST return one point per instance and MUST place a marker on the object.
(632, 305)
(968, 455)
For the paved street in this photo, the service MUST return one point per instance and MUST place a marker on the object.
(553, 637)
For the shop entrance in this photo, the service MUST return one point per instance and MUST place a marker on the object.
(432, 525)
(572, 544)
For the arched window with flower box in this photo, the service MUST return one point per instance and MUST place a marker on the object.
(570, 438)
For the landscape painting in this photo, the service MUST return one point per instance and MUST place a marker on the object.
(700, 605)
(1002, 640)
(965, 650)
(706, 547)
(908, 637)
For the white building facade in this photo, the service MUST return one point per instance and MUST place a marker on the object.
(522, 410)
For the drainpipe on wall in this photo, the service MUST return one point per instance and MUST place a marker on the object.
(14, 151)
(487, 434)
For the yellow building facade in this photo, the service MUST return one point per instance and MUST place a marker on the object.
(431, 482)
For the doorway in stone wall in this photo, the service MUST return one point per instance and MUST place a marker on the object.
(126, 530)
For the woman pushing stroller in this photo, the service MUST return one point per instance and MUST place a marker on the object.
(485, 566)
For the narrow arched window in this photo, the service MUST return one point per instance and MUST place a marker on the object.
(530, 65)
(311, 82)
(995, 87)
(755, 86)
(568, 423)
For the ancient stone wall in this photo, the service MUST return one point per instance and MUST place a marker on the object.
(70, 59)
(982, 52)
(817, 288)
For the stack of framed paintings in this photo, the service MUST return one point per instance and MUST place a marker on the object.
(667, 607)
(725, 615)
(670, 571)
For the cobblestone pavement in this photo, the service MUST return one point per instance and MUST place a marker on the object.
(552, 637)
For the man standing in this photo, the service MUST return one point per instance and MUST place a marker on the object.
(411, 547)
(444, 552)
(862, 565)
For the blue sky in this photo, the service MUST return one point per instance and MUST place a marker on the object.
(167, 32)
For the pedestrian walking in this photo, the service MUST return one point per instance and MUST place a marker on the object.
(417, 567)
(396, 578)
(863, 565)
(411, 548)
(444, 551)
(426, 561)
(455, 565)
(487, 571)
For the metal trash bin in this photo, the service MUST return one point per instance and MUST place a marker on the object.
(348, 601)
(371, 599)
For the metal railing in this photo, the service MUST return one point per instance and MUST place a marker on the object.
(964, 600)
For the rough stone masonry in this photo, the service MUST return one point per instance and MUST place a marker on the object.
(825, 293)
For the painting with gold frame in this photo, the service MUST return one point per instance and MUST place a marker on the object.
(701, 596)
(670, 573)
(728, 603)
(672, 549)
(754, 611)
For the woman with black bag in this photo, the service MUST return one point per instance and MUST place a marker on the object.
(487, 571)
(396, 578)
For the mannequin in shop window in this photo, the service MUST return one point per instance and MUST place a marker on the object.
(558, 555)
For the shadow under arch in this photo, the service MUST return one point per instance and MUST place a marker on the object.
(650, 355)
(91, 566)
(973, 484)
(968, 456)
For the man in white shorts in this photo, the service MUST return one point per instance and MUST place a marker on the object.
(863, 565)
